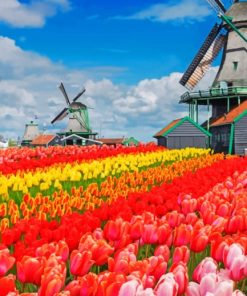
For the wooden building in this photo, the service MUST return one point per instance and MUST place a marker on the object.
(75, 139)
(31, 132)
(182, 133)
(229, 132)
(45, 141)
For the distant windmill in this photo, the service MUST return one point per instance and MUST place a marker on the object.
(78, 129)
(76, 110)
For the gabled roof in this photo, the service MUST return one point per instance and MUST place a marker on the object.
(166, 128)
(232, 116)
(110, 141)
(176, 123)
(81, 138)
(130, 140)
(42, 139)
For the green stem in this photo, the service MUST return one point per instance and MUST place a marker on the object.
(147, 250)
(243, 285)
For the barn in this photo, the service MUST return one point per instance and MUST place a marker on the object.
(229, 132)
(181, 133)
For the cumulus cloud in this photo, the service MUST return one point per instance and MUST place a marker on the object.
(190, 10)
(118, 110)
(33, 14)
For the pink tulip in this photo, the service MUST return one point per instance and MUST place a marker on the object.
(130, 288)
(181, 276)
(208, 284)
(238, 293)
(206, 266)
(193, 289)
(231, 252)
(167, 285)
(224, 288)
(237, 267)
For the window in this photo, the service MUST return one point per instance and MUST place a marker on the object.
(235, 66)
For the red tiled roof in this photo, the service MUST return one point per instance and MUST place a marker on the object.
(110, 141)
(231, 116)
(165, 129)
(42, 139)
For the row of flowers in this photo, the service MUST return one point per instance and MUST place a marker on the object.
(14, 159)
(61, 203)
(58, 176)
(197, 247)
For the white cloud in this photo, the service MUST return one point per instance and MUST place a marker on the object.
(34, 14)
(173, 11)
(138, 110)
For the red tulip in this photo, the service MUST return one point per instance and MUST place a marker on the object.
(101, 251)
(182, 235)
(80, 262)
(110, 284)
(157, 267)
(88, 284)
(7, 285)
(53, 278)
(136, 230)
(174, 218)
(165, 234)
(217, 249)
(29, 270)
(181, 254)
(74, 288)
(198, 242)
(189, 205)
(162, 250)
(150, 234)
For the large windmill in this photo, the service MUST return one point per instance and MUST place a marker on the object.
(79, 125)
(227, 96)
(230, 85)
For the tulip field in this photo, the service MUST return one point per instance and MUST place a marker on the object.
(108, 221)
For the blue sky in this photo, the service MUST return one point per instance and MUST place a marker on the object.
(128, 54)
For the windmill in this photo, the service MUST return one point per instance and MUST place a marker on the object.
(79, 124)
(231, 36)
(229, 89)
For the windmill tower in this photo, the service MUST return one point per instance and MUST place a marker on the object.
(31, 132)
(229, 89)
(78, 125)
(230, 86)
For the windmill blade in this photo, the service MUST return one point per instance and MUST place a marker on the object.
(61, 115)
(80, 94)
(202, 56)
(61, 86)
(206, 62)
(217, 5)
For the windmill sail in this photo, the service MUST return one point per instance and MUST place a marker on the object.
(80, 94)
(204, 58)
(61, 115)
(61, 86)
(217, 5)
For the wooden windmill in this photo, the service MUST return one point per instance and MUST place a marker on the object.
(229, 89)
(78, 125)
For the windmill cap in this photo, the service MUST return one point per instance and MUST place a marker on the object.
(238, 11)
